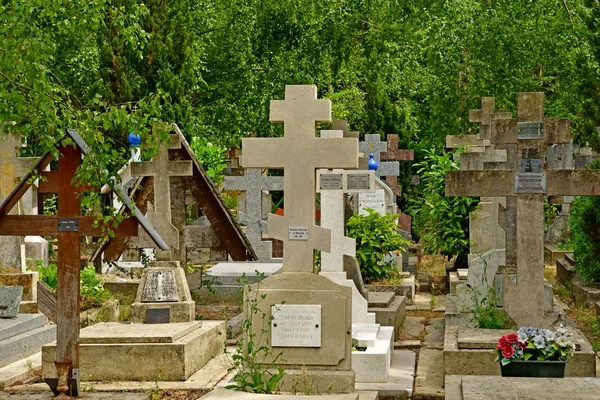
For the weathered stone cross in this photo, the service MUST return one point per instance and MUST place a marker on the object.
(529, 182)
(161, 169)
(253, 183)
(299, 153)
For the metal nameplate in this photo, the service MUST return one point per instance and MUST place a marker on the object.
(298, 233)
(530, 130)
(359, 182)
(68, 224)
(331, 181)
(296, 325)
(530, 183)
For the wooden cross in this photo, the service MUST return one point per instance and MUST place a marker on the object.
(299, 153)
(530, 133)
(162, 169)
(253, 183)
(69, 226)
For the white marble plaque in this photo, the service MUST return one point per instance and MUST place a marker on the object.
(376, 201)
(530, 182)
(296, 325)
(298, 233)
(359, 182)
(331, 181)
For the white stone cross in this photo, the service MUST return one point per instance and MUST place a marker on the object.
(162, 169)
(253, 183)
(299, 152)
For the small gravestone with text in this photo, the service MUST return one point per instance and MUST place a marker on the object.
(10, 300)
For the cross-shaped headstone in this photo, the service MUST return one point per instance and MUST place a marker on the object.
(253, 183)
(394, 153)
(162, 169)
(531, 133)
(299, 152)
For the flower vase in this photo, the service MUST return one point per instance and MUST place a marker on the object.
(534, 369)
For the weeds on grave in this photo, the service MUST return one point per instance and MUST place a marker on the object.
(254, 361)
(486, 311)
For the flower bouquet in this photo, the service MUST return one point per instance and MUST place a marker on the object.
(535, 348)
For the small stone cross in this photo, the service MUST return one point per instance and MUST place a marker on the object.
(253, 183)
(299, 152)
(162, 169)
(373, 145)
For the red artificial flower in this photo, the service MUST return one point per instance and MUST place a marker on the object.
(508, 352)
(512, 338)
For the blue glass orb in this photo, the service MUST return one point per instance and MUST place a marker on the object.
(134, 140)
(372, 163)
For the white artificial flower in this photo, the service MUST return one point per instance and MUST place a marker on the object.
(539, 342)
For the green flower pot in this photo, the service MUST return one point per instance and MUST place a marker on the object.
(534, 369)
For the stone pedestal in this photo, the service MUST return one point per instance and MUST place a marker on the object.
(139, 352)
(164, 286)
(325, 365)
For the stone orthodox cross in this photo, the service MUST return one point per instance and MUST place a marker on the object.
(394, 153)
(299, 152)
(529, 181)
(253, 183)
(162, 169)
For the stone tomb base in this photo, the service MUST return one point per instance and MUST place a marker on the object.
(494, 388)
(164, 286)
(28, 280)
(389, 309)
(324, 366)
(142, 352)
(470, 351)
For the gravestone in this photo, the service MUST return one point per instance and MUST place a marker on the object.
(530, 133)
(164, 285)
(10, 300)
(388, 169)
(486, 234)
(253, 183)
(332, 217)
(299, 152)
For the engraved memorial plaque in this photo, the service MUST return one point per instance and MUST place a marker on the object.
(376, 201)
(160, 287)
(158, 315)
(298, 233)
(530, 183)
(358, 182)
(531, 165)
(296, 325)
(331, 181)
(530, 130)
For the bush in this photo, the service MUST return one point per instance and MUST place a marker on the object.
(585, 228)
(376, 236)
(441, 222)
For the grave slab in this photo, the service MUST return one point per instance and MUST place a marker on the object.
(175, 359)
(28, 339)
(429, 383)
(434, 339)
(494, 388)
(400, 379)
(392, 315)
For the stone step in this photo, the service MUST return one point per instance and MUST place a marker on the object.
(19, 369)
(495, 388)
(429, 383)
(381, 299)
(25, 344)
(392, 315)
(21, 324)
(399, 385)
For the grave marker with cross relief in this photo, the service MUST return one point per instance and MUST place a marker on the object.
(530, 133)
